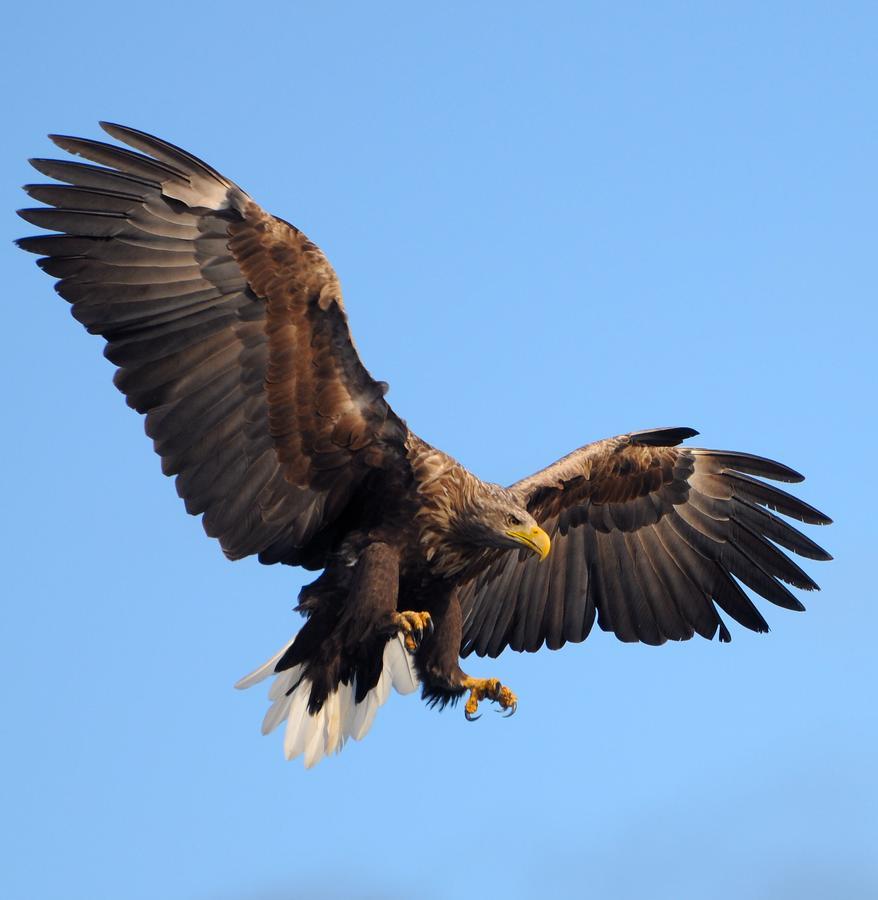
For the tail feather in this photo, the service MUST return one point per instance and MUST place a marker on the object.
(364, 715)
(284, 682)
(402, 666)
(264, 670)
(296, 736)
(325, 732)
(282, 700)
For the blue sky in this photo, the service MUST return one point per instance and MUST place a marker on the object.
(552, 224)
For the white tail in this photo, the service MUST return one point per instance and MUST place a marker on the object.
(340, 717)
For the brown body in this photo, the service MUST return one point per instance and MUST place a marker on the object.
(229, 333)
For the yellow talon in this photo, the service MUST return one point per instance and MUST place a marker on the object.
(413, 625)
(487, 689)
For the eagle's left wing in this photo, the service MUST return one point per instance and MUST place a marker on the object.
(651, 538)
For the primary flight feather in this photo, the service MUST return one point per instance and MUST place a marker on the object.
(229, 333)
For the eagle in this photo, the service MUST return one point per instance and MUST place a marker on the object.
(228, 332)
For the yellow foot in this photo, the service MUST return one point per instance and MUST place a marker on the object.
(487, 689)
(413, 625)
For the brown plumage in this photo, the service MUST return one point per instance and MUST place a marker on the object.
(229, 333)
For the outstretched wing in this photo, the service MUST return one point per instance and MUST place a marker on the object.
(229, 331)
(651, 538)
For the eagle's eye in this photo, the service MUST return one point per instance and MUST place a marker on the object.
(512, 519)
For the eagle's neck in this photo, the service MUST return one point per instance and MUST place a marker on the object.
(445, 488)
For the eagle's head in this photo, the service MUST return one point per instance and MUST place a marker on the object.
(495, 518)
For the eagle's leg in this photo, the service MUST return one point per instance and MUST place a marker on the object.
(443, 679)
(487, 689)
(413, 625)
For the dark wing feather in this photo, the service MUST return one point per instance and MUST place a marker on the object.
(650, 536)
(229, 332)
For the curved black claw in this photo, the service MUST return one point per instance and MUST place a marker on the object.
(511, 711)
(430, 626)
(470, 717)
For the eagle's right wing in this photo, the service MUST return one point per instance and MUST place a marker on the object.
(229, 331)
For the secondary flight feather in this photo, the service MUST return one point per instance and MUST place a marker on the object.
(228, 331)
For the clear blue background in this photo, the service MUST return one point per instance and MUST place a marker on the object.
(553, 223)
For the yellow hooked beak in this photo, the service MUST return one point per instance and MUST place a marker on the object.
(534, 539)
